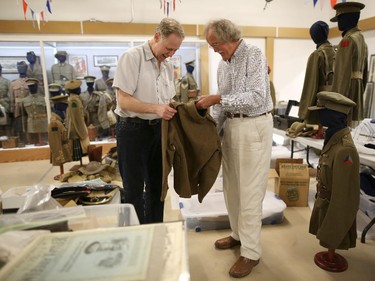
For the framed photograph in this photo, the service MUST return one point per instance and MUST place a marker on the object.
(105, 60)
(9, 64)
(371, 71)
(176, 61)
(79, 63)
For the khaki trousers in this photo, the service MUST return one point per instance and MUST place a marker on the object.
(247, 147)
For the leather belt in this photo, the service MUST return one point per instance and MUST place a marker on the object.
(239, 115)
(137, 120)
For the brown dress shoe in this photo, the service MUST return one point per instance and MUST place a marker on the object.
(242, 267)
(226, 243)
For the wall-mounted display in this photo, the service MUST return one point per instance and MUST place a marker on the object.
(9, 64)
(105, 60)
(79, 63)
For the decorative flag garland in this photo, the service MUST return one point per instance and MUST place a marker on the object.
(333, 3)
(166, 5)
(36, 15)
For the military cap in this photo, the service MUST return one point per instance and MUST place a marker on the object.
(54, 87)
(61, 53)
(105, 67)
(62, 97)
(109, 81)
(73, 84)
(31, 81)
(346, 8)
(333, 101)
(89, 79)
(190, 63)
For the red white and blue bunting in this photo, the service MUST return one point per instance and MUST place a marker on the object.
(167, 5)
(37, 8)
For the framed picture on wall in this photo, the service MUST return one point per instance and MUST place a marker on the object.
(9, 64)
(79, 63)
(105, 60)
(176, 61)
(371, 72)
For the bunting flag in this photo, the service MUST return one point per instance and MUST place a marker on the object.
(35, 14)
(167, 6)
(315, 2)
(333, 3)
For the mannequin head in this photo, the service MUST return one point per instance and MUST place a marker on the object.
(109, 83)
(31, 57)
(22, 68)
(347, 15)
(190, 66)
(347, 21)
(32, 83)
(319, 32)
(105, 71)
(61, 56)
(90, 81)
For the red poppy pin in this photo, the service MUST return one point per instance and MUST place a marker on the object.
(348, 160)
(344, 43)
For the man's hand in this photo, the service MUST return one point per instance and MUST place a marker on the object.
(165, 111)
(206, 101)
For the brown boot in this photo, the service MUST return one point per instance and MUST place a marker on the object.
(242, 267)
(226, 243)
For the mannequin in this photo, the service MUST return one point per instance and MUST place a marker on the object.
(186, 87)
(96, 105)
(333, 219)
(100, 84)
(60, 145)
(5, 119)
(62, 72)
(351, 58)
(19, 90)
(75, 121)
(36, 110)
(34, 70)
(319, 74)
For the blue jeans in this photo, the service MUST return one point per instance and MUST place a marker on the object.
(140, 165)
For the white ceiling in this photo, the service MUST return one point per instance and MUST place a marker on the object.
(282, 13)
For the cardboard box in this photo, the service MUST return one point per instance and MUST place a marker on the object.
(293, 182)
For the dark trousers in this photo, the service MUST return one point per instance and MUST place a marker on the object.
(140, 165)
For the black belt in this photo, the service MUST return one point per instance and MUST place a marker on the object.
(137, 120)
(239, 115)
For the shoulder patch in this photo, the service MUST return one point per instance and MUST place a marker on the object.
(348, 160)
(345, 43)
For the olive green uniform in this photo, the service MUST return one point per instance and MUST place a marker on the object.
(183, 85)
(351, 70)
(318, 77)
(36, 110)
(96, 106)
(60, 70)
(333, 219)
(59, 143)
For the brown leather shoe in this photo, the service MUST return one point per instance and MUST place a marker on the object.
(242, 267)
(226, 243)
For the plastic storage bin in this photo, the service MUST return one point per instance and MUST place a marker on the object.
(212, 212)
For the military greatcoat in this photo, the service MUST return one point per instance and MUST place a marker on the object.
(333, 219)
(318, 77)
(351, 70)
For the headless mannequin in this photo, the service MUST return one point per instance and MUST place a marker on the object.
(334, 121)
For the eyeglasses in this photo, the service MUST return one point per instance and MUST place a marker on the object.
(215, 45)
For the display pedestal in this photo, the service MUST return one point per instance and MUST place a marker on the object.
(331, 261)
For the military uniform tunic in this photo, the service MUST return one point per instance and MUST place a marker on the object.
(59, 143)
(318, 77)
(351, 70)
(35, 71)
(4, 93)
(36, 110)
(60, 70)
(96, 106)
(185, 84)
(333, 219)
(18, 90)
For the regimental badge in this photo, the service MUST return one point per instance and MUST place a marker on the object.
(74, 105)
(344, 43)
(348, 160)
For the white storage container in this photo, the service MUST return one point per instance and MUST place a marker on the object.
(212, 212)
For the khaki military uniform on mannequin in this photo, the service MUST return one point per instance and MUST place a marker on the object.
(62, 72)
(4, 101)
(186, 87)
(351, 60)
(34, 70)
(100, 84)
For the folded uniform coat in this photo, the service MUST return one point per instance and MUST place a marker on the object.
(191, 145)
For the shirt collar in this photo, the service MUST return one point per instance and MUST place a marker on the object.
(147, 49)
(239, 49)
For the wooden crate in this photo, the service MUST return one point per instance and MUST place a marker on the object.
(11, 142)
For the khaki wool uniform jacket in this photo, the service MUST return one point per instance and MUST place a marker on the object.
(62, 69)
(96, 106)
(183, 85)
(318, 77)
(333, 219)
(17, 91)
(59, 143)
(75, 122)
(36, 110)
(191, 145)
(4, 93)
(37, 73)
(351, 70)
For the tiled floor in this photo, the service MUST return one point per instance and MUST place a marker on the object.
(288, 248)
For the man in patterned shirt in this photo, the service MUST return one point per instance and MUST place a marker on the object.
(244, 103)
